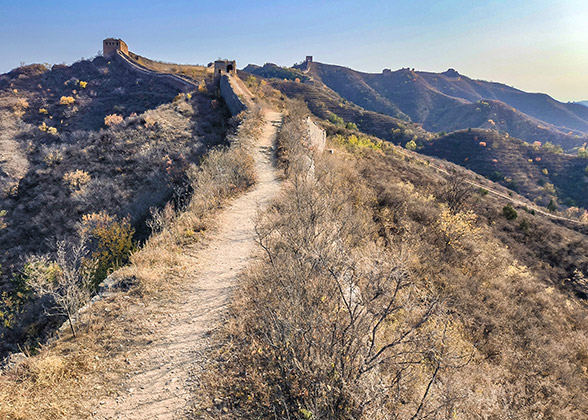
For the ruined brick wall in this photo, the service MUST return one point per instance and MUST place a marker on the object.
(234, 103)
(316, 138)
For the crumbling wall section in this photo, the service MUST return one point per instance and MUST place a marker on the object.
(234, 103)
(316, 139)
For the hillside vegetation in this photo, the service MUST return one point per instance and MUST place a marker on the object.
(70, 376)
(385, 290)
(540, 171)
(385, 285)
(94, 146)
(536, 171)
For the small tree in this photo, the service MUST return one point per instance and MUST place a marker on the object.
(456, 193)
(66, 280)
(509, 212)
(66, 100)
(113, 119)
(110, 240)
(552, 206)
(411, 145)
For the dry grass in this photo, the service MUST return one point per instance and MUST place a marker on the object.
(66, 377)
(59, 382)
(499, 341)
(327, 322)
(220, 176)
(265, 94)
(13, 158)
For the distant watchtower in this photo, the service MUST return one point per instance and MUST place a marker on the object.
(308, 59)
(225, 67)
(111, 45)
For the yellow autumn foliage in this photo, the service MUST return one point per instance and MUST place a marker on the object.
(66, 100)
(111, 241)
(458, 226)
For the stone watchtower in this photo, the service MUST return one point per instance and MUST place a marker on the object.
(225, 67)
(111, 45)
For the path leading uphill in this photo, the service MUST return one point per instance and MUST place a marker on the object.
(161, 387)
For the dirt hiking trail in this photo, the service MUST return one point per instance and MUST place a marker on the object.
(160, 385)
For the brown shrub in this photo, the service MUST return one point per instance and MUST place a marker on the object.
(329, 321)
(223, 173)
(113, 119)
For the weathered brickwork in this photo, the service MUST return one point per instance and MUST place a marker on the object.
(111, 45)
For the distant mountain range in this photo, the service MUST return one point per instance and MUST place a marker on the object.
(447, 115)
(585, 103)
(450, 101)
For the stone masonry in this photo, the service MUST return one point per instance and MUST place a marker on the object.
(111, 45)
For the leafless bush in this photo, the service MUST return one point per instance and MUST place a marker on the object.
(456, 193)
(220, 174)
(330, 324)
(66, 280)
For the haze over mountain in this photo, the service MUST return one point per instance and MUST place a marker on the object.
(449, 101)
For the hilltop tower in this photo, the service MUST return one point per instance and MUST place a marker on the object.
(225, 67)
(111, 45)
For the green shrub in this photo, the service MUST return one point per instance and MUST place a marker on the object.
(496, 176)
(335, 119)
(411, 145)
(524, 225)
(111, 242)
(509, 212)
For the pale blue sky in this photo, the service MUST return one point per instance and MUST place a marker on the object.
(535, 45)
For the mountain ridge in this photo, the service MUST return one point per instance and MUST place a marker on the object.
(431, 99)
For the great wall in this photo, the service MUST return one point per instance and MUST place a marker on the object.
(224, 74)
(231, 90)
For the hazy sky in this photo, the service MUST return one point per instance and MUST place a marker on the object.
(535, 45)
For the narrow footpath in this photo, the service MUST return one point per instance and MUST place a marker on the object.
(160, 389)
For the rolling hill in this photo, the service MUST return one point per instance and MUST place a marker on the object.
(439, 101)
(94, 141)
(380, 267)
(538, 170)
